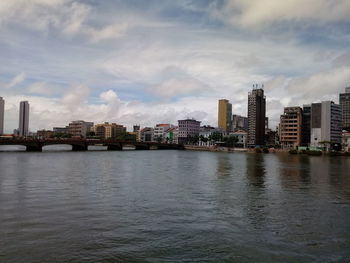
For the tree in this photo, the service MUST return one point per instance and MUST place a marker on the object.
(230, 141)
(216, 137)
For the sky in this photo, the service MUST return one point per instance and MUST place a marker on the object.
(148, 62)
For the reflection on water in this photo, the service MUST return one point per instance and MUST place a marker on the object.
(173, 206)
(256, 169)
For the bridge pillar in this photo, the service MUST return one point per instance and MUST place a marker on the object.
(114, 147)
(79, 147)
(34, 148)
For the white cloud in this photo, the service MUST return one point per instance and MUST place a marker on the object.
(256, 13)
(178, 87)
(76, 97)
(39, 88)
(70, 17)
(18, 79)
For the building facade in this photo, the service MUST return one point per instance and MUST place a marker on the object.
(171, 135)
(256, 118)
(344, 101)
(44, 134)
(239, 123)
(290, 127)
(306, 125)
(346, 141)
(2, 114)
(325, 124)
(146, 134)
(225, 115)
(107, 130)
(79, 128)
(241, 138)
(160, 131)
(23, 127)
(188, 129)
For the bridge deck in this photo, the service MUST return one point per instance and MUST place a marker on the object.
(82, 144)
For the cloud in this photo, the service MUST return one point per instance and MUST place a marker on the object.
(320, 86)
(179, 87)
(257, 13)
(18, 79)
(70, 17)
(76, 97)
(39, 88)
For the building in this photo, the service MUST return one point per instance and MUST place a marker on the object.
(79, 128)
(171, 135)
(239, 123)
(205, 135)
(188, 130)
(271, 138)
(2, 114)
(346, 141)
(136, 128)
(225, 115)
(43, 134)
(241, 138)
(107, 130)
(23, 127)
(290, 127)
(159, 132)
(60, 130)
(146, 134)
(306, 126)
(326, 125)
(344, 101)
(256, 117)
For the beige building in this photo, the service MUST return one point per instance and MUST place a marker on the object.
(107, 130)
(225, 115)
(79, 128)
(44, 134)
(290, 127)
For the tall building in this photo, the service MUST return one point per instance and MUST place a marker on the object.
(225, 115)
(344, 101)
(290, 127)
(306, 125)
(79, 128)
(2, 113)
(239, 123)
(325, 124)
(256, 117)
(107, 130)
(23, 127)
(188, 129)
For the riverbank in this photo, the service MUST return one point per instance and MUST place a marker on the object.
(227, 149)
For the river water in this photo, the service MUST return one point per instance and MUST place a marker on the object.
(173, 206)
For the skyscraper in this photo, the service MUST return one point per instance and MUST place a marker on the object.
(344, 101)
(325, 124)
(2, 110)
(306, 125)
(225, 115)
(256, 117)
(23, 127)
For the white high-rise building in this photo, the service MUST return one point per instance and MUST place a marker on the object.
(23, 127)
(2, 111)
(325, 123)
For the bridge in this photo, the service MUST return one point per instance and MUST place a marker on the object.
(36, 145)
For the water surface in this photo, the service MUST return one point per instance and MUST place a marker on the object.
(173, 206)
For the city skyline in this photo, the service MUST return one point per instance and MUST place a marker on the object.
(147, 62)
(221, 109)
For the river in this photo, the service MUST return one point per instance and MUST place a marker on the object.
(173, 206)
